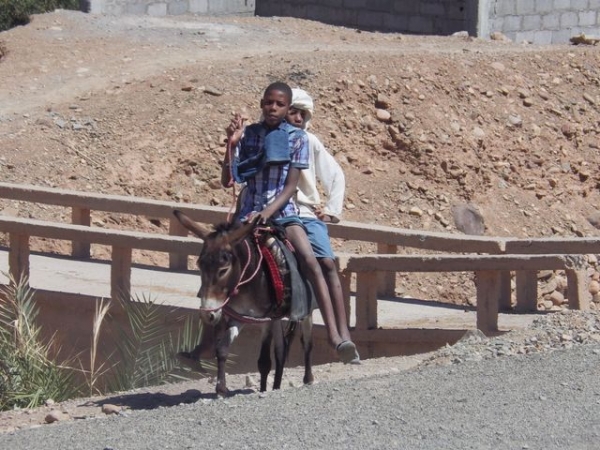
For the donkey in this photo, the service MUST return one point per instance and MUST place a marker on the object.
(235, 290)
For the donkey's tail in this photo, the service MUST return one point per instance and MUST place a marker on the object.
(288, 336)
(290, 330)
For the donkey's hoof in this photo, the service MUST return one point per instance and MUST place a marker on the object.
(222, 392)
(347, 352)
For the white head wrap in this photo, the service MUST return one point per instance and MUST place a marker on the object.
(301, 100)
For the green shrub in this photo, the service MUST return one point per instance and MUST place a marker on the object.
(16, 12)
(28, 375)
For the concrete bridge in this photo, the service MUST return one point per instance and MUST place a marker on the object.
(67, 286)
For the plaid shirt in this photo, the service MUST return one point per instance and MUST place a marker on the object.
(269, 181)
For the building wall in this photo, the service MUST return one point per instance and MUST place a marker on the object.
(535, 21)
(540, 21)
(171, 7)
(441, 17)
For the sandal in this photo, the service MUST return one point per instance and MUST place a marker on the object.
(347, 352)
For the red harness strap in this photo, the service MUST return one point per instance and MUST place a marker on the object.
(276, 279)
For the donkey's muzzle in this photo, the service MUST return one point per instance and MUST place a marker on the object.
(210, 317)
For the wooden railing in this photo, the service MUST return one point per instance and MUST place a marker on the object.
(387, 238)
(82, 204)
(376, 274)
(121, 242)
(489, 272)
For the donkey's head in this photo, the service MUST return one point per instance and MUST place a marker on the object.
(219, 264)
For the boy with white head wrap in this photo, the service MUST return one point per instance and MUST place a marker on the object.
(313, 213)
(301, 100)
(322, 167)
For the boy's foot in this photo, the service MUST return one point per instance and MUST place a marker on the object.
(347, 352)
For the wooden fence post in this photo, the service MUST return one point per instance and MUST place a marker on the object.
(505, 291)
(177, 261)
(366, 300)
(80, 216)
(18, 257)
(386, 281)
(578, 290)
(527, 290)
(120, 272)
(489, 285)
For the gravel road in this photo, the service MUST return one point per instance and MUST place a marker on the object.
(548, 400)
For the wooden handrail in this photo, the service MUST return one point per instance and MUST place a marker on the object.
(104, 236)
(110, 203)
(489, 280)
(457, 263)
(584, 245)
(376, 273)
(212, 214)
(390, 236)
(488, 268)
(425, 240)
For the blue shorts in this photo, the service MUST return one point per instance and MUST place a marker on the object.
(286, 221)
(317, 233)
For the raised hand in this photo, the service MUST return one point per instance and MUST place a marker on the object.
(235, 129)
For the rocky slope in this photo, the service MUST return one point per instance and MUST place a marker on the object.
(421, 125)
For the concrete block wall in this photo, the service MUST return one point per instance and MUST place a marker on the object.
(535, 21)
(540, 21)
(441, 17)
(171, 7)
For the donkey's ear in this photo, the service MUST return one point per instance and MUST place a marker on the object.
(240, 233)
(198, 229)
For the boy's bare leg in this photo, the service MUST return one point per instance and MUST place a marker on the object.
(312, 270)
(346, 349)
(332, 278)
(337, 296)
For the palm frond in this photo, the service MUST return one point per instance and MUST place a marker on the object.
(28, 375)
(146, 350)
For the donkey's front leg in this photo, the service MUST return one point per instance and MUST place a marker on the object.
(225, 334)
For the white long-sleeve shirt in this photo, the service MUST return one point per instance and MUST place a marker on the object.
(324, 168)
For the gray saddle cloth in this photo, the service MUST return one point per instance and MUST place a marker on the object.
(303, 300)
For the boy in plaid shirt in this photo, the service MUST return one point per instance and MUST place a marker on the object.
(269, 158)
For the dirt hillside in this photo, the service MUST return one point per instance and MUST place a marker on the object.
(421, 125)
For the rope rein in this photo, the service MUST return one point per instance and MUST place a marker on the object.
(231, 183)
